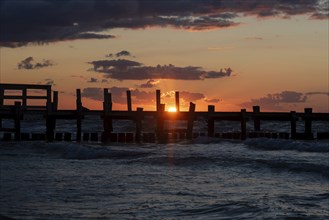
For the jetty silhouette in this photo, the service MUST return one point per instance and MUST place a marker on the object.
(51, 114)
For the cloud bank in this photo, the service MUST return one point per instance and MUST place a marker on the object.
(28, 64)
(42, 21)
(123, 69)
(275, 101)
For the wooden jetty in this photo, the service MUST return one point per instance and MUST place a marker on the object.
(51, 114)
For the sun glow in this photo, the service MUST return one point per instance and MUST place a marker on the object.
(172, 109)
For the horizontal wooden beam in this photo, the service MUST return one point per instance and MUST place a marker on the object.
(23, 86)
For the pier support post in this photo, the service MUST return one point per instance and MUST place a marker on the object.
(211, 122)
(308, 120)
(79, 114)
(107, 119)
(243, 124)
(129, 100)
(17, 110)
(177, 101)
(160, 123)
(139, 118)
(1, 101)
(293, 119)
(256, 111)
(191, 115)
(158, 99)
(50, 118)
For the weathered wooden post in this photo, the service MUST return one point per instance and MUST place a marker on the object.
(308, 121)
(129, 100)
(50, 121)
(107, 119)
(177, 101)
(139, 118)
(256, 111)
(1, 101)
(24, 94)
(55, 100)
(158, 99)
(190, 120)
(243, 124)
(79, 114)
(211, 121)
(160, 123)
(48, 96)
(293, 119)
(17, 111)
(51, 118)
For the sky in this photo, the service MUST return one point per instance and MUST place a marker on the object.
(233, 54)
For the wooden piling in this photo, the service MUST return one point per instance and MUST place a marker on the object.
(191, 116)
(211, 121)
(79, 114)
(24, 94)
(129, 100)
(1, 102)
(55, 101)
(177, 101)
(25, 136)
(243, 124)
(293, 127)
(17, 110)
(160, 123)
(85, 136)
(59, 136)
(67, 136)
(121, 137)
(94, 137)
(6, 137)
(107, 119)
(139, 118)
(256, 111)
(308, 120)
(130, 138)
(158, 99)
(50, 118)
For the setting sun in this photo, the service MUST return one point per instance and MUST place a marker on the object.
(172, 109)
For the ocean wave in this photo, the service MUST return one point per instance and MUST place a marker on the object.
(277, 144)
(85, 152)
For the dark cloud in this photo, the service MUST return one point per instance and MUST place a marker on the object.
(122, 69)
(119, 54)
(190, 96)
(274, 101)
(123, 53)
(28, 64)
(92, 80)
(23, 22)
(119, 95)
(150, 83)
(212, 100)
(93, 93)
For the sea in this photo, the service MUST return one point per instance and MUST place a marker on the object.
(203, 178)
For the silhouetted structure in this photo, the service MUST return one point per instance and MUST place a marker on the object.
(51, 114)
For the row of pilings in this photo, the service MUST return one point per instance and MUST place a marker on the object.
(52, 114)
